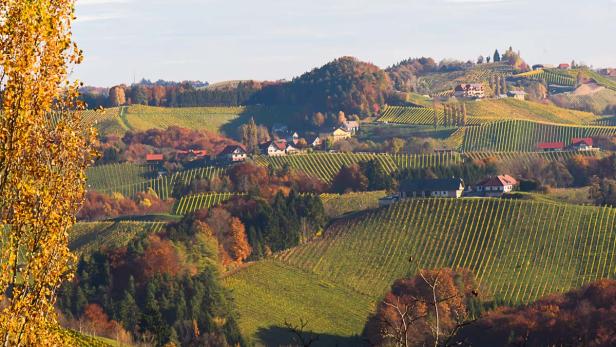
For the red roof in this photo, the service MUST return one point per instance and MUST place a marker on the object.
(499, 181)
(551, 145)
(154, 157)
(231, 148)
(581, 140)
(281, 145)
(564, 66)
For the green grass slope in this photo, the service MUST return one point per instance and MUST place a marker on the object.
(519, 250)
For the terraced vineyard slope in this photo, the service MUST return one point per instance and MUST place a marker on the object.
(519, 251)
(517, 135)
(552, 76)
(191, 203)
(141, 118)
(113, 175)
(85, 238)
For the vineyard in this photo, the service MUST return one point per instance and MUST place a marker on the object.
(110, 177)
(551, 76)
(416, 115)
(191, 203)
(86, 238)
(518, 250)
(113, 175)
(518, 135)
(336, 205)
(325, 166)
(528, 157)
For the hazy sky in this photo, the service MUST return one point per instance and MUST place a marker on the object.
(216, 40)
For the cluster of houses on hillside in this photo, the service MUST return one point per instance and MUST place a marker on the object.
(285, 143)
(494, 186)
(478, 91)
(582, 144)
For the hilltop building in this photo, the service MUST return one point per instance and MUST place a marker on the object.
(470, 91)
(153, 158)
(337, 135)
(564, 66)
(436, 188)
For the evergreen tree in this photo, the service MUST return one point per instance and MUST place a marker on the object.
(463, 114)
(497, 56)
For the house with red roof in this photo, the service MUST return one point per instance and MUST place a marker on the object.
(551, 146)
(153, 158)
(564, 66)
(582, 144)
(276, 148)
(496, 186)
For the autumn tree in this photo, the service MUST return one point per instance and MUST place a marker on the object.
(318, 119)
(117, 96)
(341, 118)
(43, 155)
(425, 310)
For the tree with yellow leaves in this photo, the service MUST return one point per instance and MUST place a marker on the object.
(44, 151)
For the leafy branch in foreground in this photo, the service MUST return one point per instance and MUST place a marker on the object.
(44, 151)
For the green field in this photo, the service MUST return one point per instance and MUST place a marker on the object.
(336, 205)
(85, 238)
(524, 136)
(519, 251)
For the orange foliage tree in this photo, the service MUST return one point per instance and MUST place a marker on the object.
(44, 151)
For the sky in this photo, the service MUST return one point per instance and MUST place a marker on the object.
(219, 40)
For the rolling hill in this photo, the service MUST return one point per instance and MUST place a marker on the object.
(519, 135)
(519, 251)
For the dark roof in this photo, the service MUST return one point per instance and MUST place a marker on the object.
(422, 185)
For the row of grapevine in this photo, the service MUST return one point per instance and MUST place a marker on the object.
(417, 116)
(527, 157)
(191, 203)
(106, 179)
(519, 250)
(519, 135)
(551, 76)
(113, 175)
(325, 165)
(85, 238)
(416, 161)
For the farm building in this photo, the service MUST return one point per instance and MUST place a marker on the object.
(274, 148)
(190, 155)
(152, 158)
(338, 135)
(351, 126)
(496, 186)
(436, 188)
(564, 66)
(314, 141)
(582, 144)
(470, 90)
(293, 138)
(233, 154)
(517, 94)
(551, 146)
(291, 149)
